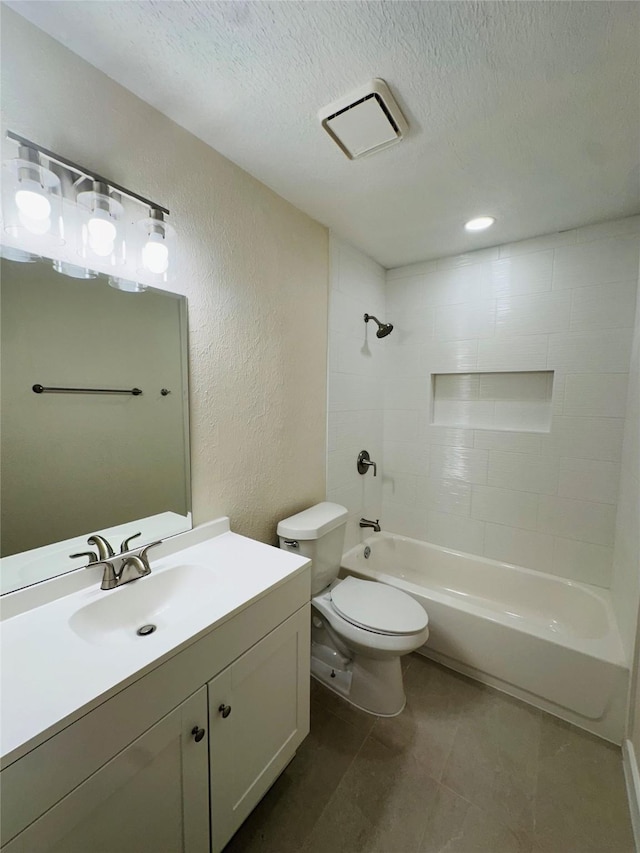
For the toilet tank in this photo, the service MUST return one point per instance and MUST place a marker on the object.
(319, 534)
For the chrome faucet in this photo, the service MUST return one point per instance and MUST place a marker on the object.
(118, 568)
(365, 522)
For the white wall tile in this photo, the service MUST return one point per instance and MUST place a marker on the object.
(456, 285)
(402, 361)
(450, 356)
(519, 547)
(348, 392)
(454, 531)
(504, 506)
(458, 463)
(508, 441)
(597, 351)
(405, 521)
(356, 356)
(607, 306)
(596, 262)
(589, 480)
(522, 472)
(465, 413)
(513, 276)
(451, 496)
(523, 416)
(345, 315)
(401, 425)
(595, 395)
(584, 438)
(457, 386)
(462, 322)
(582, 561)
(406, 393)
(574, 519)
(528, 352)
(451, 436)
(400, 488)
(406, 458)
(527, 387)
(528, 315)
(406, 295)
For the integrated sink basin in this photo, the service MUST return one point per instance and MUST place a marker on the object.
(163, 600)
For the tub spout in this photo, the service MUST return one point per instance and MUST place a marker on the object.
(365, 522)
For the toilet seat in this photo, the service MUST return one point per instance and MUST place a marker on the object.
(376, 607)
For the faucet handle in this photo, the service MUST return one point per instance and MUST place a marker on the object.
(104, 546)
(143, 553)
(93, 557)
(124, 547)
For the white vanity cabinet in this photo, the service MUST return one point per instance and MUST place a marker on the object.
(126, 773)
(151, 797)
(258, 715)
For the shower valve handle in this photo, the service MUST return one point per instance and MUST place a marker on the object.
(364, 463)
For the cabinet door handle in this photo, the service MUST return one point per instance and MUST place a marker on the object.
(225, 710)
(197, 733)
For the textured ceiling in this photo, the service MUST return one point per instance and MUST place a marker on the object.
(529, 111)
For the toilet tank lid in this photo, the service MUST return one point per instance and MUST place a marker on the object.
(313, 522)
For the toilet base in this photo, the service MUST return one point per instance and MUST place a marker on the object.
(373, 686)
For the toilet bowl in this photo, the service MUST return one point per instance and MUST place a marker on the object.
(359, 629)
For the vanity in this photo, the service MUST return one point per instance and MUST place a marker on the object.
(162, 741)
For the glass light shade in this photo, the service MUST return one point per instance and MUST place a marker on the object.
(73, 270)
(31, 203)
(101, 228)
(157, 236)
(18, 255)
(126, 285)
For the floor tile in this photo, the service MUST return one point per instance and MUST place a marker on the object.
(456, 826)
(324, 698)
(581, 804)
(493, 761)
(380, 806)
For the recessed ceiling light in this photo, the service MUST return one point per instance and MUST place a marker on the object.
(479, 223)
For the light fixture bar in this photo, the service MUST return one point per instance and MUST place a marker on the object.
(86, 173)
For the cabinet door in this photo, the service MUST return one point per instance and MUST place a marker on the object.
(258, 716)
(153, 796)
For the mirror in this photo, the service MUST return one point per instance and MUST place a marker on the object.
(77, 462)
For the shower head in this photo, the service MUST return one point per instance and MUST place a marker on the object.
(384, 329)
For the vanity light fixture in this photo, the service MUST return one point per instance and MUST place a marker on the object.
(18, 255)
(155, 251)
(73, 270)
(67, 200)
(31, 197)
(479, 223)
(99, 231)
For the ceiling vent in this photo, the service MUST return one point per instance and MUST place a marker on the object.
(365, 121)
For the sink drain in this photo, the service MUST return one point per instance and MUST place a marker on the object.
(145, 630)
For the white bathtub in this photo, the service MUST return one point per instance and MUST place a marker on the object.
(549, 641)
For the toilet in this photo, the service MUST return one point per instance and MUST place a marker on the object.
(359, 629)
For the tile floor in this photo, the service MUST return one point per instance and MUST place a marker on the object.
(464, 769)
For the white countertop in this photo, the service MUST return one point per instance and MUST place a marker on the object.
(51, 676)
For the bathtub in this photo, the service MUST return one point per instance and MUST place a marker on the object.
(552, 642)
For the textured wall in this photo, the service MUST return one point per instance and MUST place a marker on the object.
(542, 500)
(355, 384)
(255, 271)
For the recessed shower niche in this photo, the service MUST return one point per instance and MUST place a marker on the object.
(516, 401)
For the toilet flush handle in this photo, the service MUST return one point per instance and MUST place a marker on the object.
(292, 543)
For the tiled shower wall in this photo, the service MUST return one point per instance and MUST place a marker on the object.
(355, 385)
(546, 501)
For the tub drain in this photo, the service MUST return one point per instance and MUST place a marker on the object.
(145, 630)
